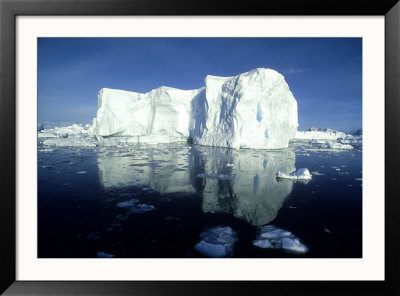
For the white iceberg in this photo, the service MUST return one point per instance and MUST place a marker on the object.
(255, 109)
(75, 135)
(300, 174)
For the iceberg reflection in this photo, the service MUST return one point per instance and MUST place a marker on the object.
(162, 169)
(242, 182)
(239, 182)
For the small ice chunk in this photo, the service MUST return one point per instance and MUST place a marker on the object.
(141, 208)
(217, 242)
(263, 243)
(327, 230)
(275, 233)
(128, 203)
(293, 245)
(46, 150)
(104, 255)
(81, 172)
(316, 173)
(211, 250)
(271, 237)
(300, 174)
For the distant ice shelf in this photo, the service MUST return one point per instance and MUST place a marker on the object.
(329, 139)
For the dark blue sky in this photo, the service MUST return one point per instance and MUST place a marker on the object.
(324, 74)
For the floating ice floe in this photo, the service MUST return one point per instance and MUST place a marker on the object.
(104, 255)
(328, 139)
(128, 203)
(327, 144)
(141, 208)
(70, 142)
(316, 173)
(217, 242)
(300, 174)
(271, 237)
(46, 150)
(327, 134)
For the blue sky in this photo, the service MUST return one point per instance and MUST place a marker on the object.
(324, 74)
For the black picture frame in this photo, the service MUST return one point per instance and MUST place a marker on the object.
(9, 9)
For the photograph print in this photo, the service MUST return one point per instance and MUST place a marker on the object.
(199, 148)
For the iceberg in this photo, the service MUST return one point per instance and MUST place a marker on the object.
(255, 109)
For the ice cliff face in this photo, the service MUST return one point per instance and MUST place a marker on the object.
(159, 116)
(255, 109)
(251, 110)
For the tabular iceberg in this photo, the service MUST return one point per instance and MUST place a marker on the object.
(255, 109)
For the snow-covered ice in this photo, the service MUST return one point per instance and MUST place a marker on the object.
(217, 242)
(255, 109)
(300, 174)
(161, 115)
(328, 139)
(320, 135)
(271, 237)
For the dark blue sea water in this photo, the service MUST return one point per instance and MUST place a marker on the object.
(162, 201)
